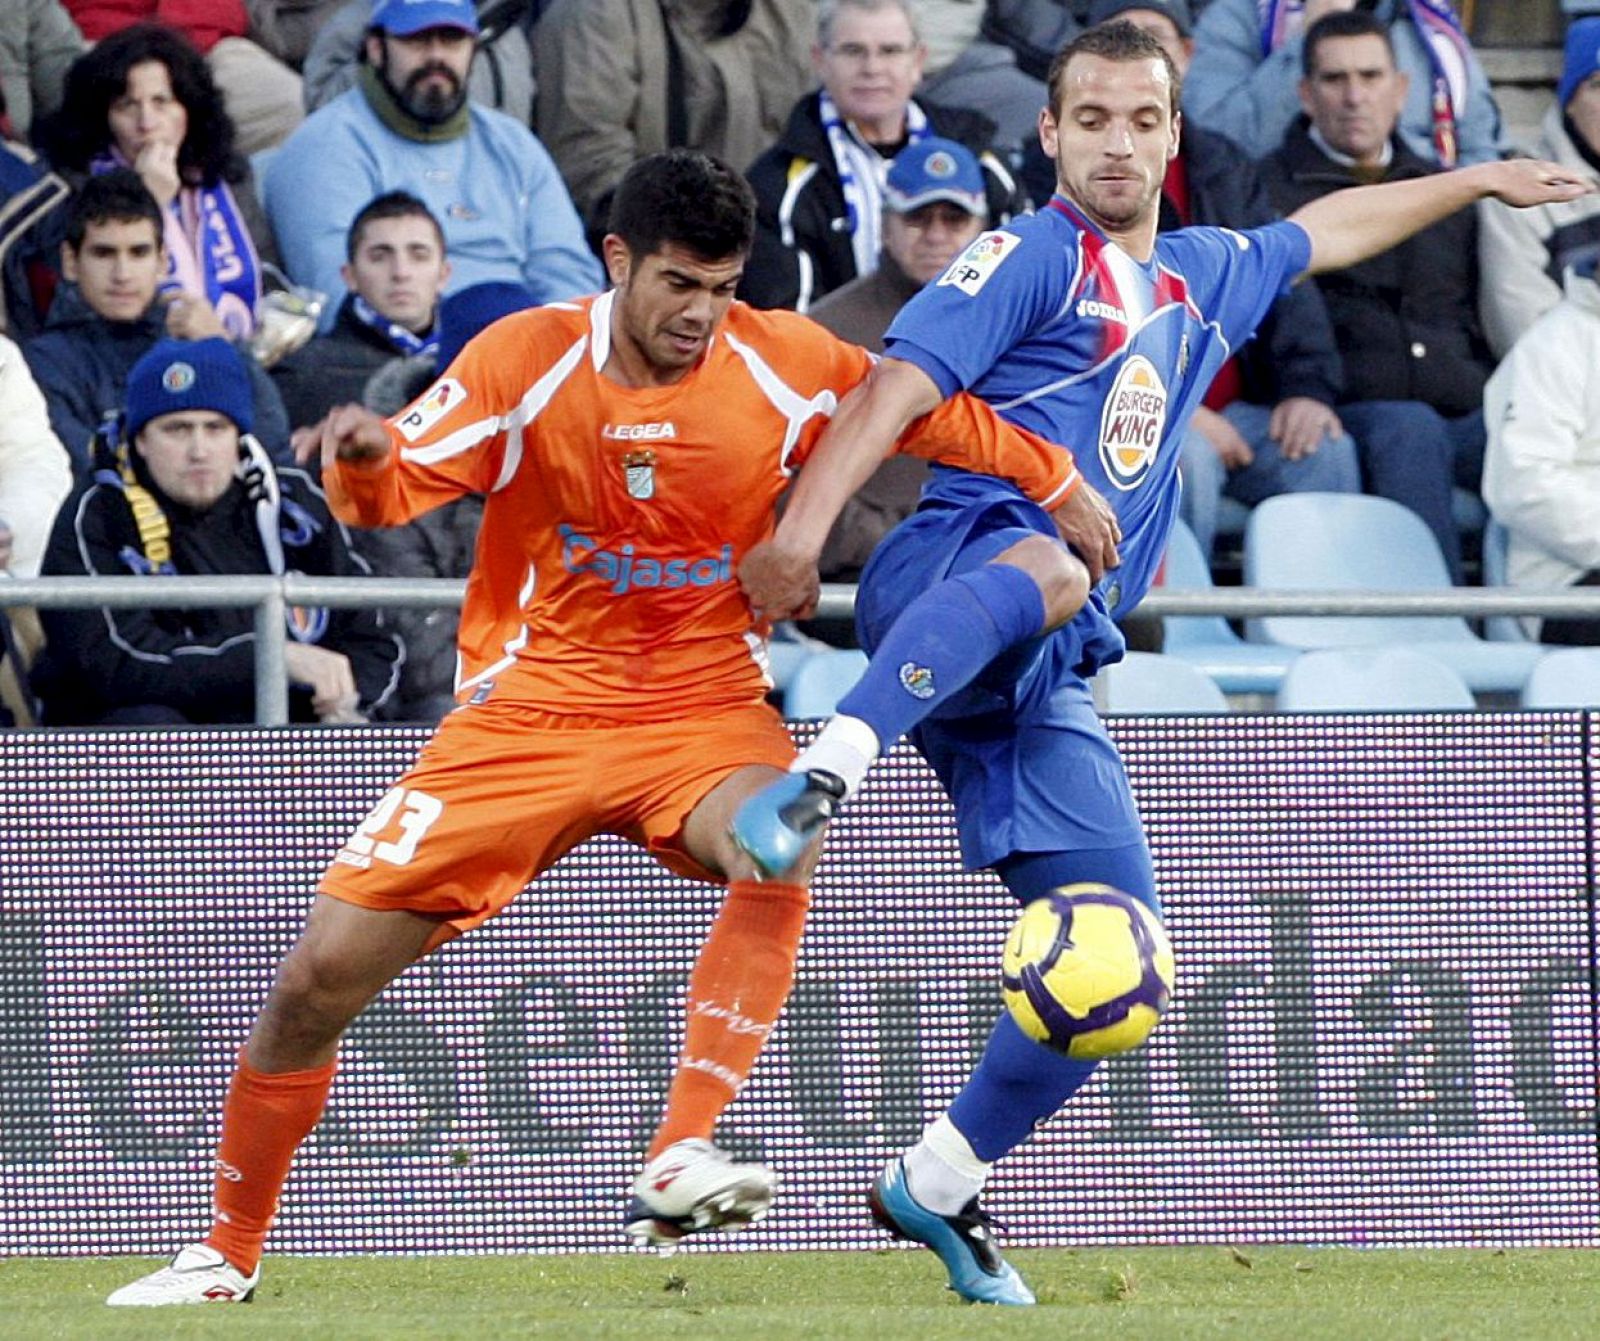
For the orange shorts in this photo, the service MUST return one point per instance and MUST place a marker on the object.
(503, 791)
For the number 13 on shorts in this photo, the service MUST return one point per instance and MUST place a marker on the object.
(391, 832)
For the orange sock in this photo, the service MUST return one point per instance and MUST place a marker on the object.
(264, 1120)
(736, 991)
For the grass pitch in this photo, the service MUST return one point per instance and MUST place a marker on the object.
(1161, 1294)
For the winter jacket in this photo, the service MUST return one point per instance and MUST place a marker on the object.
(203, 22)
(1541, 469)
(1035, 29)
(802, 247)
(38, 42)
(1406, 321)
(505, 212)
(30, 195)
(81, 362)
(1294, 352)
(620, 79)
(1253, 99)
(1524, 253)
(332, 369)
(35, 474)
(199, 662)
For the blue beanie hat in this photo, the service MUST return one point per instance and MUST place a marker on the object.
(1582, 58)
(178, 375)
(465, 312)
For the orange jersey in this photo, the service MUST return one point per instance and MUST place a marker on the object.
(604, 582)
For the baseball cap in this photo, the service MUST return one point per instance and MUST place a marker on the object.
(1177, 10)
(935, 169)
(176, 375)
(404, 17)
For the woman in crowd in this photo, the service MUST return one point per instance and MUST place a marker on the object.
(143, 98)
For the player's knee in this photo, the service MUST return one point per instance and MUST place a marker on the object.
(1065, 587)
(314, 997)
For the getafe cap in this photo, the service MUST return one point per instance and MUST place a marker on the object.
(405, 17)
(935, 169)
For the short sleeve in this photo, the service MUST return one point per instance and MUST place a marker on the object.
(1235, 276)
(1004, 287)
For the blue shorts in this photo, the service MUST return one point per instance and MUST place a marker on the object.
(1021, 750)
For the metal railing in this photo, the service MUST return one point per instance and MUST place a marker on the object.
(271, 597)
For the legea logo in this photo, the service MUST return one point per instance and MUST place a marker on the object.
(625, 571)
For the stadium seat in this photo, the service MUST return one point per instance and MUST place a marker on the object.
(1569, 678)
(1208, 642)
(1496, 548)
(1355, 542)
(820, 681)
(1156, 683)
(1351, 679)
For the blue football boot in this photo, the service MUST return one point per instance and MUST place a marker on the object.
(776, 825)
(965, 1242)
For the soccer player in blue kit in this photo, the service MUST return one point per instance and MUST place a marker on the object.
(1082, 324)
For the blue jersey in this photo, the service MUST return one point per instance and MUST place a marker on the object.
(1064, 333)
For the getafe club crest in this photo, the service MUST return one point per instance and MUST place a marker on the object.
(639, 470)
(1131, 423)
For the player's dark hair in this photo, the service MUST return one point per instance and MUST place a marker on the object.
(81, 130)
(118, 196)
(1344, 23)
(688, 199)
(1118, 40)
(390, 205)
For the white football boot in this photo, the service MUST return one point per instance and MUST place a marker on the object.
(690, 1186)
(197, 1275)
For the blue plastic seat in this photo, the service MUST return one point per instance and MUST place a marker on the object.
(820, 681)
(1569, 678)
(1149, 682)
(1355, 542)
(1351, 679)
(1208, 642)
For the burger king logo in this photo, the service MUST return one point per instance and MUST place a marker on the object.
(1131, 423)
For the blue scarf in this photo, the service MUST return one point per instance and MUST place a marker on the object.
(404, 341)
(209, 249)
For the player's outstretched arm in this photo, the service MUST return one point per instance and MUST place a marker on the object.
(345, 433)
(780, 575)
(1349, 226)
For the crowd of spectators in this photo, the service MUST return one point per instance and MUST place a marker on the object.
(405, 171)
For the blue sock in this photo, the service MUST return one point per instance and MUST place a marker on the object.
(940, 643)
(1018, 1083)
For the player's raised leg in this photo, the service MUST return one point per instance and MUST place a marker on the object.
(737, 989)
(345, 956)
(937, 646)
(931, 1193)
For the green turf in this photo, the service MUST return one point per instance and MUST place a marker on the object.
(1140, 1294)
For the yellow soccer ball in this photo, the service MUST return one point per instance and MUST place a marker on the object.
(1087, 971)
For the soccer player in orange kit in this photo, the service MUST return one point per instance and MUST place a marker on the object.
(632, 448)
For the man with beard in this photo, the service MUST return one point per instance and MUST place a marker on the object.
(407, 125)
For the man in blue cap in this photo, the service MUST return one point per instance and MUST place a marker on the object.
(182, 487)
(408, 125)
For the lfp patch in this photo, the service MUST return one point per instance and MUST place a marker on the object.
(442, 397)
(970, 271)
(177, 378)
